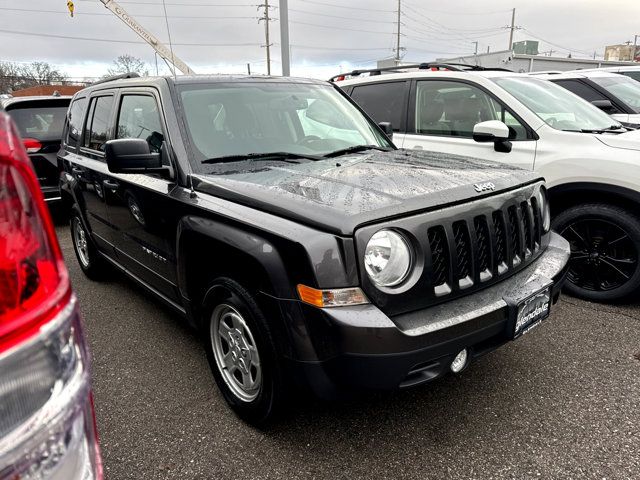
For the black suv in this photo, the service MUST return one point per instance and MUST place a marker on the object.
(308, 251)
(40, 121)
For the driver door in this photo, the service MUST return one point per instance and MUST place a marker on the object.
(442, 116)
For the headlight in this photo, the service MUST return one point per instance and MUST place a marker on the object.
(545, 212)
(387, 258)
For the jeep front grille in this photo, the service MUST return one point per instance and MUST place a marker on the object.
(474, 251)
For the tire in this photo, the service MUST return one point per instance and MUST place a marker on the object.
(91, 264)
(255, 389)
(605, 251)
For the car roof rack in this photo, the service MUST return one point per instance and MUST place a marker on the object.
(455, 67)
(116, 77)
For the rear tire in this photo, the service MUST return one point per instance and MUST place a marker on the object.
(90, 261)
(605, 251)
(242, 353)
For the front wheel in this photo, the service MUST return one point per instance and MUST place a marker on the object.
(241, 351)
(605, 243)
(92, 265)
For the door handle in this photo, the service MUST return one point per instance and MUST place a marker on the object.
(76, 171)
(110, 184)
(418, 147)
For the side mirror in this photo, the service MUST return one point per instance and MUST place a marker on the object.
(604, 105)
(132, 155)
(387, 128)
(493, 131)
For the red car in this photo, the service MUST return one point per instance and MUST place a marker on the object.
(47, 423)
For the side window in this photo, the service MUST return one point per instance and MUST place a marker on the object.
(517, 131)
(581, 89)
(97, 127)
(139, 118)
(449, 108)
(74, 122)
(384, 102)
(634, 75)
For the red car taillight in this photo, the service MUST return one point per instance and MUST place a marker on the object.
(32, 145)
(47, 428)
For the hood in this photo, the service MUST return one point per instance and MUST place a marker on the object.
(628, 140)
(339, 194)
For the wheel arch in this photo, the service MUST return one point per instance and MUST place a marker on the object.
(568, 195)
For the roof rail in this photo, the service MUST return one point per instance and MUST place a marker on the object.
(455, 67)
(116, 77)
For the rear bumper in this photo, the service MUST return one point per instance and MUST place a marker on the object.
(368, 350)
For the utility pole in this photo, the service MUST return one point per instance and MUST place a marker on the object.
(398, 34)
(635, 46)
(284, 38)
(513, 27)
(476, 50)
(266, 21)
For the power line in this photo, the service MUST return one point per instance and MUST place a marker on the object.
(80, 14)
(173, 4)
(110, 40)
(346, 7)
(317, 14)
(333, 27)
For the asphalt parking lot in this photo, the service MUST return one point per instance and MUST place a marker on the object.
(562, 402)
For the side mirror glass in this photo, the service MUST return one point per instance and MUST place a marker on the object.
(493, 131)
(132, 155)
(387, 128)
(604, 105)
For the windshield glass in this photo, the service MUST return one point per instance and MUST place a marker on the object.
(625, 88)
(42, 123)
(263, 117)
(558, 107)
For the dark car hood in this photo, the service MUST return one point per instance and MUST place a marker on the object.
(339, 194)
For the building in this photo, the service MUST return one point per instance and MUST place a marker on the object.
(47, 90)
(531, 63)
(622, 53)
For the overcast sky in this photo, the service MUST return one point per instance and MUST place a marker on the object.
(326, 35)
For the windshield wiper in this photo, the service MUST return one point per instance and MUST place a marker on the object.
(282, 156)
(354, 149)
(611, 129)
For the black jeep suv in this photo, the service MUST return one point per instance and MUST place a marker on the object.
(284, 225)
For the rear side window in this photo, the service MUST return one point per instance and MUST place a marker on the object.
(384, 102)
(581, 89)
(97, 127)
(76, 116)
(139, 118)
(634, 75)
(43, 121)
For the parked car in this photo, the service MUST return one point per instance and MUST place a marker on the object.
(40, 121)
(589, 162)
(47, 425)
(307, 250)
(614, 94)
(629, 71)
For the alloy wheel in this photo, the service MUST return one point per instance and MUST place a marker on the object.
(603, 255)
(235, 352)
(80, 240)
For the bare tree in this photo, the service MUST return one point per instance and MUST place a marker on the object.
(16, 76)
(128, 64)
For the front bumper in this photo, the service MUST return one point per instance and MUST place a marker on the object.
(362, 348)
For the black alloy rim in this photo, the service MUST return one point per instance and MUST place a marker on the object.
(603, 255)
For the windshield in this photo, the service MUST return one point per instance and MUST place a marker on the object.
(558, 107)
(41, 123)
(253, 118)
(625, 88)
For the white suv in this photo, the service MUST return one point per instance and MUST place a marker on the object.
(616, 95)
(628, 70)
(591, 163)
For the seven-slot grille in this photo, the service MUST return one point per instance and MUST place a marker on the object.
(472, 251)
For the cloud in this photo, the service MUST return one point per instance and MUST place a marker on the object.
(326, 35)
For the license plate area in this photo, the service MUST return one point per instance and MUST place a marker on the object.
(530, 312)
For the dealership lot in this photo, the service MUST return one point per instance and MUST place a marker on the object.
(563, 402)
